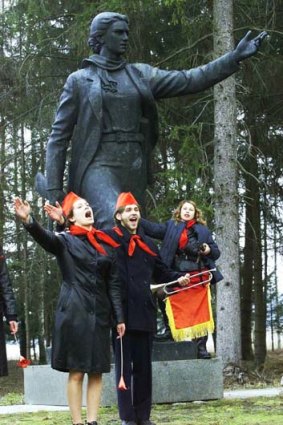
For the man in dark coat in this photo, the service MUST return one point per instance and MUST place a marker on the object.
(108, 111)
(7, 309)
(139, 264)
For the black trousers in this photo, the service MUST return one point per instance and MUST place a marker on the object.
(134, 404)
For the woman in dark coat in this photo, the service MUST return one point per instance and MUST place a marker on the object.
(7, 309)
(90, 291)
(187, 245)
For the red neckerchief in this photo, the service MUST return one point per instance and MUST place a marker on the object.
(92, 235)
(118, 231)
(136, 240)
(184, 239)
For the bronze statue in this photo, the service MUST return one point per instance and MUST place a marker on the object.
(108, 112)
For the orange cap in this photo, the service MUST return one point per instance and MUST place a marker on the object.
(125, 198)
(68, 203)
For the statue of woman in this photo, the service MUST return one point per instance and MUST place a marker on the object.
(108, 112)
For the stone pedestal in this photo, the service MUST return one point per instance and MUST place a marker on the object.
(173, 381)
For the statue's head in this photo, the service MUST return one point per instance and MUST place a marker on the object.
(100, 25)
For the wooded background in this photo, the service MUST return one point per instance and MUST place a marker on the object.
(221, 148)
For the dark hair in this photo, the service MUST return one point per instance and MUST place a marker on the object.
(198, 213)
(100, 25)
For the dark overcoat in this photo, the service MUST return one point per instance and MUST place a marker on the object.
(137, 274)
(170, 232)
(89, 293)
(80, 115)
(7, 309)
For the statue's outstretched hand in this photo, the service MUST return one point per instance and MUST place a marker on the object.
(22, 209)
(248, 46)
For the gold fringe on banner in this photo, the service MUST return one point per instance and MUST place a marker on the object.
(190, 314)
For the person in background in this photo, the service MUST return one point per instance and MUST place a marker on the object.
(187, 246)
(90, 294)
(7, 309)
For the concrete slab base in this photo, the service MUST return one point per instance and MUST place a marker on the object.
(173, 381)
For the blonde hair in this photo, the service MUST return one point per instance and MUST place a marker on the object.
(198, 213)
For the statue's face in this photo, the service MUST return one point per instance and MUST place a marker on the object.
(115, 40)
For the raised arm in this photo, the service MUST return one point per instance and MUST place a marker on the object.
(48, 240)
(173, 83)
(154, 230)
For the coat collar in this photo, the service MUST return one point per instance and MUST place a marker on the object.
(104, 63)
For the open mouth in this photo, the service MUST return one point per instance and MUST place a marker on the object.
(88, 214)
(133, 220)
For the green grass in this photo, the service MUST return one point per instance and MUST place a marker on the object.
(259, 411)
(11, 398)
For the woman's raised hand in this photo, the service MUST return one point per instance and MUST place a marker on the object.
(55, 212)
(22, 209)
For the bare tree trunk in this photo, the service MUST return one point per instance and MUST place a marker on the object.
(2, 143)
(2, 176)
(259, 288)
(24, 277)
(226, 196)
(247, 280)
(275, 253)
(264, 250)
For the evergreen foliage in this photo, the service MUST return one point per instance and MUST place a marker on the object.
(42, 42)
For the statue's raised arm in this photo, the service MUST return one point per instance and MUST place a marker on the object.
(248, 46)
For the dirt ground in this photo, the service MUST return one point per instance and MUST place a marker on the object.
(249, 376)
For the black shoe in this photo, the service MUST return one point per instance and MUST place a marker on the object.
(146, 422)
(129, 423)
(203, 353)
(91, 423)
(204, 356)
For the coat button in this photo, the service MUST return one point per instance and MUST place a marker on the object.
(91, 312)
